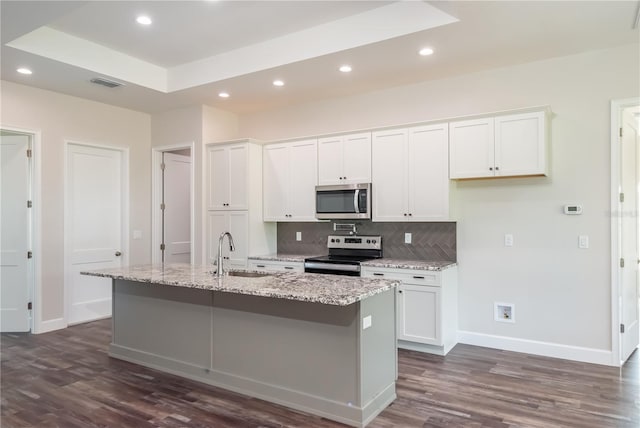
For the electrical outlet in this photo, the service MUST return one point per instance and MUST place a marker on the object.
(508, 240)
(137, 234)
(366, 322)
(407, 238)
(298, 236)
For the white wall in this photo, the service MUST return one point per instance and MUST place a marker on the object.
(60, 118)
(561, 293)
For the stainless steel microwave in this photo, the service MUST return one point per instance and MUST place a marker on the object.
(343, 201)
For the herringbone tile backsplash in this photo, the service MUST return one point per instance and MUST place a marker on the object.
(430, 241)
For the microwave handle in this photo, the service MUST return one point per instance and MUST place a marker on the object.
(356, 195)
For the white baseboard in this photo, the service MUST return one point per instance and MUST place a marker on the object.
(545, 349)
(50, 325)
(93, 310)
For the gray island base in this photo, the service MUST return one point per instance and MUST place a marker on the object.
(300, 351)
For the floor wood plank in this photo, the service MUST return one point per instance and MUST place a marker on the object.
(66, 379)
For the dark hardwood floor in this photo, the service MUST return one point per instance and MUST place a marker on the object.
(65, 379)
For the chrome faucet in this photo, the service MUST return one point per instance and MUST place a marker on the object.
(220, 270)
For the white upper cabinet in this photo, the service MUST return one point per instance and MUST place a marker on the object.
(502, 146)
(290, 176)
(410, 174)
(344, 159)
(227, 177)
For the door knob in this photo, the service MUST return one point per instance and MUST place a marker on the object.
(118, 253)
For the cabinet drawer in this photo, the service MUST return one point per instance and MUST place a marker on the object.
(407, 276)
(276, 266)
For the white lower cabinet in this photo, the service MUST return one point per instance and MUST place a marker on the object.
(276, 266)
(427, 307)
(236, 223)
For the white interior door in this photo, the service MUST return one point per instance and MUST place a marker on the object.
(14, 234)
(93, 228)
(177, 212)
(629, 235)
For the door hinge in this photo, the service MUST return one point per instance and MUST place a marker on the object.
(29, 306)
(29, 204)
(162, 206)
(162, 247)
(621, 262)
(621, 197)
(620, 132)
(29, 153)
(162, 166)
(621, 328)
(29, 254)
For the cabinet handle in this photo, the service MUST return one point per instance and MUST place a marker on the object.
(490, 168)
(288, 267)
(418, 277)
(378, 274)
(260, 266)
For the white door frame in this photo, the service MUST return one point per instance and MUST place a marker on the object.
(156, 198)
(34, 279)
(67, 213)
(616, 108)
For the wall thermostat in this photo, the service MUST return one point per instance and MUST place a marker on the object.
(573, 209)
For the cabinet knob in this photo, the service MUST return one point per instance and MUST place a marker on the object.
(410, 214)
(399, 291)
(405, 214)
(497, 168)
(344, 178)
(490, 168)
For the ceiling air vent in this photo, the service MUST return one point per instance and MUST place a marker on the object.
(106, 82)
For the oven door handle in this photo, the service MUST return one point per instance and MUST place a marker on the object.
(332, 266)
(356, 195)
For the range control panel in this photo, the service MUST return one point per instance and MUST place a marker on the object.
(355, 242)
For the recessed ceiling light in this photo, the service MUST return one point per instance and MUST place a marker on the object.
(345, 68)
(24, 70)
(278, 83)
(223, 95)
(426, 51)
(144, 20)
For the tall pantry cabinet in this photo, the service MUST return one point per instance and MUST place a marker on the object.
(234, 202)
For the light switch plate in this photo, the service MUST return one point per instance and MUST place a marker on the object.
(298, 236)
(407, 238)
(583, 241)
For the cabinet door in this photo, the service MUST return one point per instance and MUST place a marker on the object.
(217, 223)
(218, 177)
(357, 158)
(238, 173)
(303, 163)
(389, 175)
(330, 161)
(419, 314)
(520, 144)
(428, 182)
(471, 148)
(239, 228)
(275, 182)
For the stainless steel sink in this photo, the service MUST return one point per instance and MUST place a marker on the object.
(248, 274)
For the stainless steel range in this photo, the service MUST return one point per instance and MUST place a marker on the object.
(345, 255)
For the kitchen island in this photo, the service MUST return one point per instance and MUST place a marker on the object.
(323, 344)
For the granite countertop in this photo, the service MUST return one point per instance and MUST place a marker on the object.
(409, 264)
(433, 265)
(306, 287)
(281, 257)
